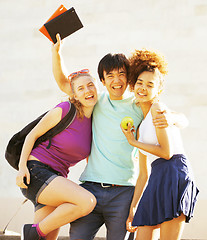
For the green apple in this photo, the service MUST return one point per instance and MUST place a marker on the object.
(125, 121)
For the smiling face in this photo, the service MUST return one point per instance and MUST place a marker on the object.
(84, 90)
(115, 82)
(148, 86)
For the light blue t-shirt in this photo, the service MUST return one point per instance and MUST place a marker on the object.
(110, 158)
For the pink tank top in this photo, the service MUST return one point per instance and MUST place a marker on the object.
(68, 147)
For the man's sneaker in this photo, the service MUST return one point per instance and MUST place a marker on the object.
(30, 233)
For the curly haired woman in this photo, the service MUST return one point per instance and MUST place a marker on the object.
(170, 195)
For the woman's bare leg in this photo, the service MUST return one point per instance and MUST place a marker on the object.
(147, 233)
(40, 215)
(70, 201)
(173, 229)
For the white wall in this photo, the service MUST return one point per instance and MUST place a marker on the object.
(176, 28)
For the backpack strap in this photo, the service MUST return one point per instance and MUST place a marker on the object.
(63, 124)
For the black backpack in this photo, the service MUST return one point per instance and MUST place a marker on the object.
(14, 147)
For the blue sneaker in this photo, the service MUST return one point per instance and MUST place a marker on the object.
(30, 233)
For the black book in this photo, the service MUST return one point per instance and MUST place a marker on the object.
(65, 24)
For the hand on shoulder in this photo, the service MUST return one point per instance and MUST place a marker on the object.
(158, 107)
(161, 115)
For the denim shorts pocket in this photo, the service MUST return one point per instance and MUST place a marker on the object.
(36, 171)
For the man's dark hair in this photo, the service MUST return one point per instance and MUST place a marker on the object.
(111, 62)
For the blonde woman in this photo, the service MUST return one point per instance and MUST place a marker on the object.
(43, 172)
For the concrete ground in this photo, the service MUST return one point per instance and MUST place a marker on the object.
(18, 238)
(10, 237)
(14, 236)
(176, 28)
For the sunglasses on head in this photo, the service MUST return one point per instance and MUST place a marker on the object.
(72, 75)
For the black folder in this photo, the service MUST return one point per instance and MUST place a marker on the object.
(65, 24)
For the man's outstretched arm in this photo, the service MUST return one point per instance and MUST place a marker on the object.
(168, 118)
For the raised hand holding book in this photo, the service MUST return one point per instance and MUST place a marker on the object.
(63, 21)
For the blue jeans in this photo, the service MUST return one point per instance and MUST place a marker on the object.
(112, 209)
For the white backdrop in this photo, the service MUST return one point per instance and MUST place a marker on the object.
(176, 28)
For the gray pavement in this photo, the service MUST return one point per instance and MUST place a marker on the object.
(10, 237)
(176, 28)
(4, 237)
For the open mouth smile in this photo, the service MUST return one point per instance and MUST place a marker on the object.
(141, 94)
(117, 87)
(89, 97)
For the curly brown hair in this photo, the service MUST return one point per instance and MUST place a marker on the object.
(145, 60)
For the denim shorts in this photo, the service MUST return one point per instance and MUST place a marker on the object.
(112, 209)
(40, 176)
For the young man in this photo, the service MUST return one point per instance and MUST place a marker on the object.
(110, 173)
